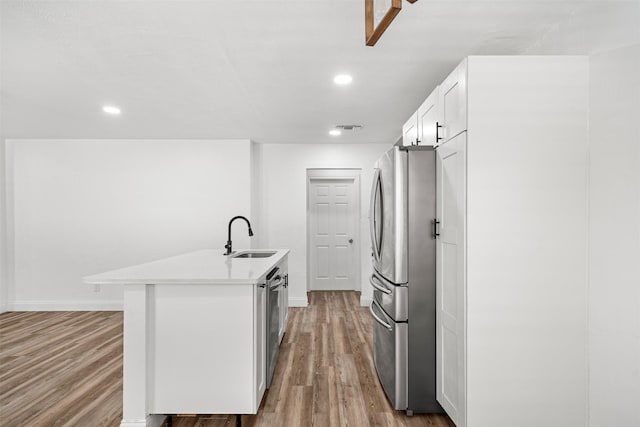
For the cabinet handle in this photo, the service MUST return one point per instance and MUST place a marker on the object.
(438, 126)
(435, 224)
(286, 281)
(262, 285)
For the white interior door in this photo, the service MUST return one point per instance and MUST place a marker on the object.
(450, 279)
(333, 214)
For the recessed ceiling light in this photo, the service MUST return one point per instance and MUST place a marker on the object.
(334, 132)
(110, 109)
(342, 79)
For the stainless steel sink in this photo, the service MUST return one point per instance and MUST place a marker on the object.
(254, 254)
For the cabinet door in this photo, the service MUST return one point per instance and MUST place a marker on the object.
(284, 305)
(410, 130)
(453, 102)
(450, 278)
(187, 373)
(260, 341)
(428, 118)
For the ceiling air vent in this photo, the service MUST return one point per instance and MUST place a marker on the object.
(351, 128)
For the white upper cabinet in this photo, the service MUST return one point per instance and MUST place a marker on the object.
(410, 130)
(453, 103)
(422, 127)
(443, 115)
(428, 116)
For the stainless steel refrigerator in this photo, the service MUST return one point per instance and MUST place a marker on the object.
(403, 208)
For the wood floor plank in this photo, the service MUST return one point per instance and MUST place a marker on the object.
(321, 403)
(65, 369)
(353, 411)
(302, 367)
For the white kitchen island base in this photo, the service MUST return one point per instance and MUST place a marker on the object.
(194, 343)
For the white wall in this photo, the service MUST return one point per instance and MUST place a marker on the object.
(285, 202)
(259, 239)
(585, 32)
(83, 207)
(614, 232)
(4, 278)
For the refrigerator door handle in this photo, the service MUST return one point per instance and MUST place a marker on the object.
(379, 286)
(375, 316)
(372, 216)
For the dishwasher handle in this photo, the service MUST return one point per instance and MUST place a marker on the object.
(276, 282)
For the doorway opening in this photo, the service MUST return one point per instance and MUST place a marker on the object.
(333, 229)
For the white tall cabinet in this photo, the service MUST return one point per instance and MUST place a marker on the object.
(450, 283)
(511, 259)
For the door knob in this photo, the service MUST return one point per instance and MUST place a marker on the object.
(350, 240)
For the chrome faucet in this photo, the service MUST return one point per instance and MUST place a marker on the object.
(228, 245)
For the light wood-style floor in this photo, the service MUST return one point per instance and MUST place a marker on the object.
(65, 369)
(60, 368)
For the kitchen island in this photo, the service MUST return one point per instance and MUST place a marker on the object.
(195, 330)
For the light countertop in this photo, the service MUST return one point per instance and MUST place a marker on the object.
(205, 267)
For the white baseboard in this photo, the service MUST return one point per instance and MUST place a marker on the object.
(115, 305)
(298, 302)
(3, 308)
(365, 301)
(153, 420)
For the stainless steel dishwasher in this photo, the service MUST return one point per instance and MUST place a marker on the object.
(274, 286)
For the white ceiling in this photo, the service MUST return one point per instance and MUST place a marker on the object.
(262, 69)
